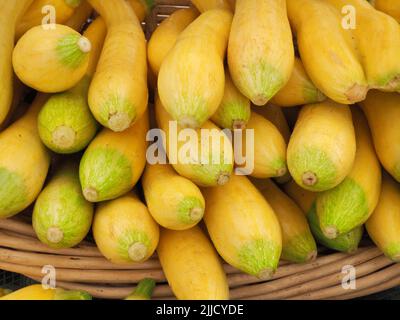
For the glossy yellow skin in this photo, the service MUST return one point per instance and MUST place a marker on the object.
(384, 224)
(327, 50)
(383, 114)
(376, 30)
(11, 11)
(243, 227)
(174, 202)
(37, 292)
(120, 224)
(357, 196)
(322, 147)
(22, 150)
(206, 174)
(390, 7)
(299, 90)
(303, 198)
(164, 37)
(192, 266)
(41, 63)
(298, 244)
(269, 148)
(34, 15)
(118, 93)
(204, 5)
(96, 33)
(191, 79)
(260, 52)
(234, 110)
(110, 152)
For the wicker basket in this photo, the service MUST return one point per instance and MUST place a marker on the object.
(84, 267)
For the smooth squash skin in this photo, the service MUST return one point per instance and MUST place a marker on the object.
(191, 79)
(211, 166)
(10, 12)
(305, 199)
(204, 5)
(298, 244)
(322, 147)
(350, 203)
(376, 30)
(275, 114)
(24, 162)
(51, 60)
(124, 230)
(143, 290)
(114, 162)
(260, 52)
(327, 50)
(33, 17)
(299, 90)
(234, 110)
(62, 217)
(192, 266)
(383, 115)
(65, 122)
(174, 202)
(384, 224)
(269, 148)
(164, 37)
(118, 94)
(37, 292)
(247, 235)
(390, 7)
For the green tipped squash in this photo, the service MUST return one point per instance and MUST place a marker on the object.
(191, 79)
(51, 59)
(322, 147)
(243, 227)
(298, 244)
(260, 51)
(124, 230)
(24, 162)
(350, 204)
(234, 110)
(347, 242)
(384, 224)
(118, 93)
(299, 90)
(174, 202)
(65, 123)
(210, 166)
(62, 216)
(114, 162)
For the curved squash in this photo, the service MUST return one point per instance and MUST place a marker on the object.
(118, 94)
(191, 79)
(10, 12)
(191, 265)
(22, 150)
(247, 235)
